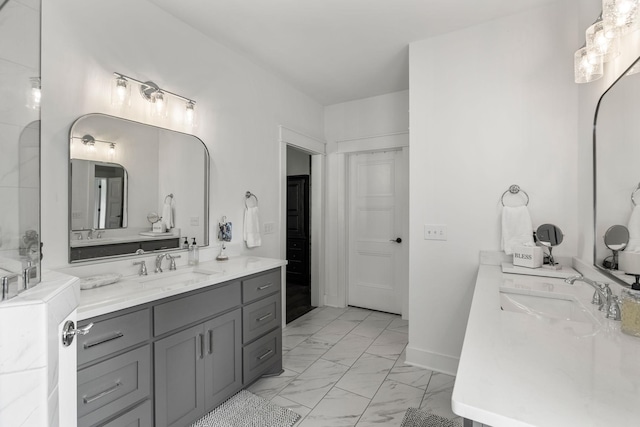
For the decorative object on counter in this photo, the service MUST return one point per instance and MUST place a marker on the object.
(517, 229)
(167, 212)
(630, 312)
(157, 226)
(251, 222)
(194, 255)
(99, 280)
(247, 409)
(185, 244)
(566, 271)
(549, 235)
(616, 238)
(415, 417)
(224, 235)
(528, 256)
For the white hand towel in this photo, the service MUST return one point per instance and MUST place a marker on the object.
(167, 214)
(252, 227)
(516, 228)
(634, 230)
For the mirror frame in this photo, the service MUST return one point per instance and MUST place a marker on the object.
(599, 267)
(206, 195)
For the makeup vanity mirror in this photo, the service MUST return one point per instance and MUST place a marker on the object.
(616, 150)
(122, 171)
(548, 236)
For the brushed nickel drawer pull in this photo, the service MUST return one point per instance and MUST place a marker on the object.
(266, 316)
(263, 287)
(265, 355)
(87, 400)
(106, 340)
(201, 346)
(210, 341)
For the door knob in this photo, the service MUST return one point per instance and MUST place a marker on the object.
(397, 240)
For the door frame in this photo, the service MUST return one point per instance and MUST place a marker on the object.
(385, 142)
(317, 150)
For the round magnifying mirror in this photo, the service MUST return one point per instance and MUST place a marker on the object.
(153, 217)
(549, 235)
(616, 238)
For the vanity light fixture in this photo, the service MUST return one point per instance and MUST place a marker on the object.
(90, 143)
(35, 94)
(587, 66)
(112, 149)
(151, 92)
(602, 42)
(620, 16)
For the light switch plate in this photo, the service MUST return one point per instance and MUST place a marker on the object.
(269, 228)
(435, 232)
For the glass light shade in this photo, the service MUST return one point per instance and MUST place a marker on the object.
(598, 44)
(190, 115)
(159, 103)
(112, 150)
(35, 94)
(587, 67)
(120, 92)
(620, 16)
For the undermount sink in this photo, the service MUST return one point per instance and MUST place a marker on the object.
(545, 306)
(180, 277)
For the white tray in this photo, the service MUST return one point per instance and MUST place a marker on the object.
(563, 273)
(99, 280)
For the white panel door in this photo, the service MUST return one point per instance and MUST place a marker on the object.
(375, 199)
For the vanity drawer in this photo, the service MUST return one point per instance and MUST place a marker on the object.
(259, 356)
(111, 335)
(110, 386)
(140, 416)
(261, 286)
(187, 310)
(260, 317)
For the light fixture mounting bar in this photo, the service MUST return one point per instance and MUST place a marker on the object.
(146, 84)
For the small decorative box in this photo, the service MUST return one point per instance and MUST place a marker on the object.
(528, 256)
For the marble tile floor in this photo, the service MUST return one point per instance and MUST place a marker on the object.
(345, 367)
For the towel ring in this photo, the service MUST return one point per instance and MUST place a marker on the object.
(169, 196)
(633, 195)
(515, 189)
(247, 196)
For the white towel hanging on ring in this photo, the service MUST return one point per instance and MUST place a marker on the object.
(252, 227)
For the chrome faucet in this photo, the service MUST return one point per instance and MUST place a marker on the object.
(172, 261)
(602, 295)
(143, 268)
(159, 259)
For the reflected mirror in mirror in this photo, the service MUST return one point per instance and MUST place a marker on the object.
(616, 238)
(99, 195)
(549, 235)
(616, 150)
(120, 171)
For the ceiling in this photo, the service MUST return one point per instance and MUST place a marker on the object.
(335, 50)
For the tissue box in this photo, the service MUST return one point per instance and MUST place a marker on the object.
(528, 256)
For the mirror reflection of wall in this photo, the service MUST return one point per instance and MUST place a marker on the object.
(616, 151)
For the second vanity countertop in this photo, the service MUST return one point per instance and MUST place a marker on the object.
(128, 292)
(520, 370)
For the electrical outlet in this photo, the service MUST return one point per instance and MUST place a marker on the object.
(195, 221)
(269, 228)
(435, 232)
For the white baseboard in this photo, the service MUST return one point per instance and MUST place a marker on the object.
(432, 361)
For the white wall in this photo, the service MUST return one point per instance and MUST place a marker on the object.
(239, 105)
(492, 105)
(367, 124)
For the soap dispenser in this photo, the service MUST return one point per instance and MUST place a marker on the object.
(185, 244)
(194, 256)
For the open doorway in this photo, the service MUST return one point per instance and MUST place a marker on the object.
(298, 238)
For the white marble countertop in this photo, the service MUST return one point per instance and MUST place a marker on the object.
(129, 292)
(519, 370)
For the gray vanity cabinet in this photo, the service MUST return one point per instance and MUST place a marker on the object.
(168, 362)
(196, 369)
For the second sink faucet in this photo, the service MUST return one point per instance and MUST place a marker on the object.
(602, 295)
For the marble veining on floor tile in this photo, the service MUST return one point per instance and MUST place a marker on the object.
(345, 367)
